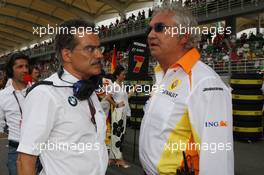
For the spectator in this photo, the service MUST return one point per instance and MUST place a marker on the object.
(35, 73)
(119, 117)
(12, 100)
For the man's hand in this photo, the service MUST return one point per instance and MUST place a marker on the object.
(26, 164)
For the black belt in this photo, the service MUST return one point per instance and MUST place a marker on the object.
(13, 144)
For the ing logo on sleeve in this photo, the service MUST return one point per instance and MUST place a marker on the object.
(216, 124)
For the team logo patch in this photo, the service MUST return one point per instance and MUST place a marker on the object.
(72, 100)
(175, 83)
(210, 124)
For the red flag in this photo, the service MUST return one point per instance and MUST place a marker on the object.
(27, 79)
(114, 62)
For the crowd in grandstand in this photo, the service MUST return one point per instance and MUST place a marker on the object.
(125, 23)
(219, 51)
(131, 19)
(214, 50)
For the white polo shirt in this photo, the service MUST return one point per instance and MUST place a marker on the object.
(119, 95)
(103, 92)
(9, 111)
(70, 144)
(192, 112)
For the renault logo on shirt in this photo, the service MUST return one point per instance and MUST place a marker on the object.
(216, 124)
(175, 83)
(170, 94)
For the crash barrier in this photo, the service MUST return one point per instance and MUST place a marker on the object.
(138, 100)
(247, 99)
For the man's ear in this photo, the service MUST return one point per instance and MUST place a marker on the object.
(66, 55)
(185, 38)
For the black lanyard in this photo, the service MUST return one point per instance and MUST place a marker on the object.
(20, 109)
(92, 111)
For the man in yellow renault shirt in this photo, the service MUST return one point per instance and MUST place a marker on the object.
(191, 115)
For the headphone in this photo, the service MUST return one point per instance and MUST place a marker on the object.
(82, 89)
(11, 62)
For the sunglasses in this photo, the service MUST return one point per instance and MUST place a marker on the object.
(93, 111)
(158, 27)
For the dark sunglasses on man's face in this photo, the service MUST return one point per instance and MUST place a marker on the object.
(158, 27)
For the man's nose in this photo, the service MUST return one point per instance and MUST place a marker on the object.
(98, 54)
(151, 35)
(25, 69)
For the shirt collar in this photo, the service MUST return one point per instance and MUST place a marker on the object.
(69, 77)
(186, 62)
(11, 89)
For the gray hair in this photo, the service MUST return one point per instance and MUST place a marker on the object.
(183, 17)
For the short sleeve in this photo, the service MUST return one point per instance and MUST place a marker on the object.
(210, 111)
(39, 112)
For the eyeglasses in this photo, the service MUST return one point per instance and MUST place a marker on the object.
(158, 27)
(93, 111)
(92, 49)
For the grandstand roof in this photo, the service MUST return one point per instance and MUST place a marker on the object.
(17, 17)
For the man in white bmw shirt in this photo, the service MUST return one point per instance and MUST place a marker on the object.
(63, 120)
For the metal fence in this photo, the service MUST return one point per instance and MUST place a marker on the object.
(240, 66)
(43, 50)
(203, 9)
(123, 29)
(227, 68)
(221, 67)
(217, 6)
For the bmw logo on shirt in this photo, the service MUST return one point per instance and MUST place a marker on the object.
(72, 100)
